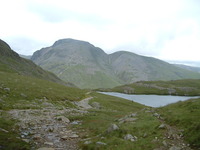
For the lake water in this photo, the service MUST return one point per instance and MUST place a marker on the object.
(151, 100)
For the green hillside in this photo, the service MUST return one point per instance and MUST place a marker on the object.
(174, 87)
(10, 61)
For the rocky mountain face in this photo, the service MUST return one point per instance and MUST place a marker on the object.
(10, 61)
(87, 66)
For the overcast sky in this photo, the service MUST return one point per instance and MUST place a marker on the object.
(165, 29)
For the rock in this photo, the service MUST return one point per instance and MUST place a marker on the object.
(145, 135)
(47, 104)
(87, 142)
(45, 148)
(130, 137)
(165, 143)
(162, 126)
(7, 89)
(96, 105)
(113, 127)
(3, 130)
(101, 143)
(174, 148)
(133, 115)
(1, 101)
(23, 95)
(26, 140)
(130, 119)
(73, 136)
(63, 118)
(69, 136)
(156, 115)
(48, 143)
(37, 137)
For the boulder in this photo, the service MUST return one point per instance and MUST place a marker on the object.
(113, 127)
(162, 126)
(100, 143)
(63, 118)
(130, 137)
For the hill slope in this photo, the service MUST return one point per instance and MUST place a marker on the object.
(10, 61)
(87, 66)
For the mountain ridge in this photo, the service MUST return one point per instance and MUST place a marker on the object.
(88, 66)
(10, 61)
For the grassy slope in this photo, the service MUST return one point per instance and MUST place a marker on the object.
(178, 87)
(185, 115)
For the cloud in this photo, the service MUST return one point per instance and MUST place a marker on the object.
(163, 29)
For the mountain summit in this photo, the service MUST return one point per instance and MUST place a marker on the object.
(87, 66)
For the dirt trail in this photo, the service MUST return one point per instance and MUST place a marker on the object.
(47, 127)
(173, 137)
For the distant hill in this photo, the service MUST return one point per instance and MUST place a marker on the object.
(174, 87)
(88, 66)
(10, 61)
(25, 56)
(195, 69)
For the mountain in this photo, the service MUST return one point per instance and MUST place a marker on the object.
(79, 62)
(87, 66)
(10, 61)
(195, 69)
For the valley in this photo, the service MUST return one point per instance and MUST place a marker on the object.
(39, 111)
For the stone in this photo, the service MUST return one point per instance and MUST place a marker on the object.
(101, 143)
(69, 136)
(63, 118)
(113, 127)
(133, 115)
(48, 143)
(174, 148)
(162, 126)
(45, 148)
(1, 101)
(23, 95)
(26, 140)
(96, 105)
(130, 137)
(73, 136)
(7, 89)
(87, 142)
(3, 130)
(156, 115)
(130, 119)
(165, 143)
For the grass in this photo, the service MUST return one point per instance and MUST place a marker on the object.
(185, 115)
(9, 137)
(32, 89)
